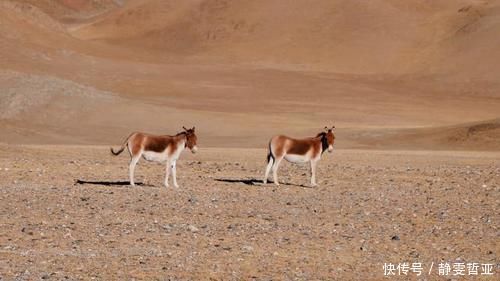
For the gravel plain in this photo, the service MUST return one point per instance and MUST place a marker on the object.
(67, 212)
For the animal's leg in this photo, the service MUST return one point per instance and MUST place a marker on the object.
(167, 172)
(131, 167)
(313, 172)
(268, 169)
(275, 170)
(174, 173)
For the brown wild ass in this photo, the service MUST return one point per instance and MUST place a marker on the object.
(158, 149)
(298, 150)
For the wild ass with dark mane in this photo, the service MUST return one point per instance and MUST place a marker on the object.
(158, 149)
(298, 150)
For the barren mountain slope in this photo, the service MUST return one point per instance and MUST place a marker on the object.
(234, 68)
(471, 136)
(380, 36)
(74, 11)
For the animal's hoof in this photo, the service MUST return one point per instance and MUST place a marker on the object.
(264, 182)
(314, 185)
(176, 186)
(166, 185)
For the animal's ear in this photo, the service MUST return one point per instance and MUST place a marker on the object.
(184, 128)
(326, 128)
(193, 129)
(333, 128)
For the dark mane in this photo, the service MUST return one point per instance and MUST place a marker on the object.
(324, 141)
(322, 134)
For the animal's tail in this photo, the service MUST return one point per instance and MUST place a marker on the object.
(122, 148)
(117, 152)
(270, 154)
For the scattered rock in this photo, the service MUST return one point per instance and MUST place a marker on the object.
(247, 248)
(193, 228)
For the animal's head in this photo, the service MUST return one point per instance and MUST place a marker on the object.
(330, 137)
(191, 139)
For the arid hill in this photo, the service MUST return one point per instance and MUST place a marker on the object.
(364, 37)
(475, 136)
(90, 72)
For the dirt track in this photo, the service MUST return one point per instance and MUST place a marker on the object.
(223, 224)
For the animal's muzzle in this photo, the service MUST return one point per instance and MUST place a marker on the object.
(330, 148)
(194, 149)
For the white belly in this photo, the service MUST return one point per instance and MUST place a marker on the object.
(294, 158)
(154, 156)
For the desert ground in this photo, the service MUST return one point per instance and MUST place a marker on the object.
(68, 213)
(411, 86)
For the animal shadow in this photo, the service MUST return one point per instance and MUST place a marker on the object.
(109, 183)
(245, 181)
(256, 182)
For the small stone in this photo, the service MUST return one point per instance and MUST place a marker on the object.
(395, 238)
(247, 248)
(414, 254)
(193, 228)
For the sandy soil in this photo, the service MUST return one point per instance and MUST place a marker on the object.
(370, 207)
